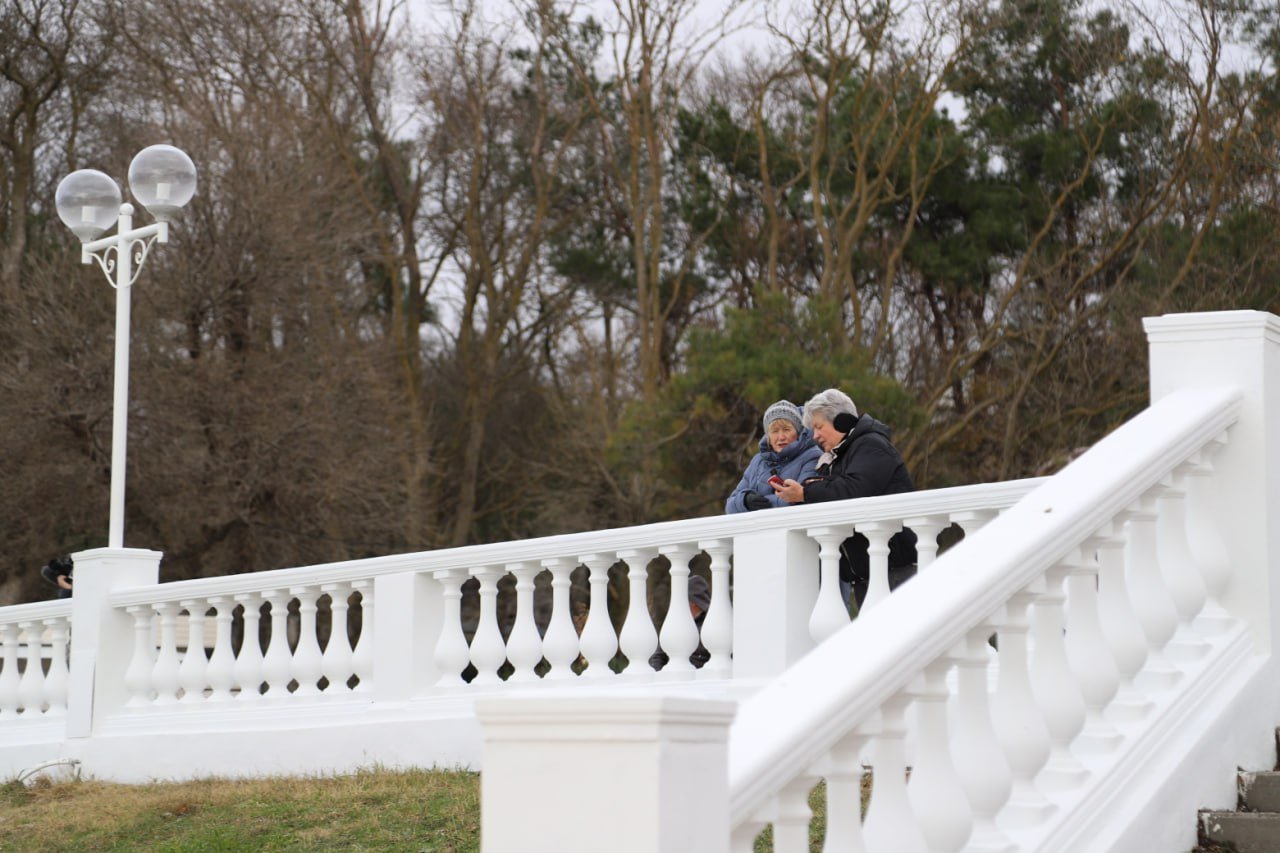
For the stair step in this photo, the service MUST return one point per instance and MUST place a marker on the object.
(1262, 791)
(1244, 832)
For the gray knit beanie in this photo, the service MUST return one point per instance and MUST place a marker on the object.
(783, 410)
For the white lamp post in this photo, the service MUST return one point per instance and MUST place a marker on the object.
(162, 179)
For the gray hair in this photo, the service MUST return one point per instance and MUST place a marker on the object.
(827, 404)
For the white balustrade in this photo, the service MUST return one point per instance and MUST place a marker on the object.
(1149, 594)
(878, 534)
(560, 643)
(137, 678)
(717, 625)
(31, 685)
(1177, 566)
(524, 646)
(791, 826)
(488, 652)
(337, 660)
(55, 680)
(362, 654)
(308, 662)
(451, 651)
(844, 796)
(830, 613)
(679, 634)
(891, 823)
(927, 528)
(191, 672)
(638, 638)
(1019, 726)
(598, 643)
(165, 677)
(221, 670)
(1120, 628)
(1054, 685)
(277, 662)
(247, 670)
(1092, 666)
(1204, 540)
(9, 677)
(975, 749)
(936, 792)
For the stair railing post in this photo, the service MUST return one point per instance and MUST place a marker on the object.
(643, 774)
(102, 637)
(1238, 349)
(775, 585)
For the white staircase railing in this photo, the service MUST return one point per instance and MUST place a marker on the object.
(1132, 601)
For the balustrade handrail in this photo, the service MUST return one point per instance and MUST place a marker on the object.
(35, 610)
(982, 496)
(784, 730)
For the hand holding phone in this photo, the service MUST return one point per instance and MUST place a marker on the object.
(776, 481)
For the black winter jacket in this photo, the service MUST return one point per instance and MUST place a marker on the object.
(865, 465)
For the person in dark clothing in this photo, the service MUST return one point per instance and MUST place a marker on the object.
(859, 462)
(58, 572)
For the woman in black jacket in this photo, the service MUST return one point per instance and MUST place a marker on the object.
(859, 461)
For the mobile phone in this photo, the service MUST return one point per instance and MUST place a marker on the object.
(775, 480)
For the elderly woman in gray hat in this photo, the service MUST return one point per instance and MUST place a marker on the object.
(787, 452)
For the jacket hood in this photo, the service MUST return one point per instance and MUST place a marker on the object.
(792, 450)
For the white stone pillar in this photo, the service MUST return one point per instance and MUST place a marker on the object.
(775, 585)
(1238, 349)
(102, 637)
(604, 770)
(406, 624)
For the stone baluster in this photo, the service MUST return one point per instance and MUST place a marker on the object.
(891, 824)
(1019, 725)
(362, 654)
(717, 625)
(1150, 596)
(638, 638)
(337, 660)
(488, 652)
(9, 674)
(878, 534)
(844, 796)
(221, 672)
(55, 680)
(830, 613)
(451, 653)
(791, 825)
(560, 643)
(598, 642)
(31, 685)
(277, 663)
(1054, 686)
(164, 676)
(137, 678)
(1090, 659)
(927, 528)
(191, 673)
(308, 663)
(975, 749)
(1181, 574)
(524, 646)
(937, 794)
(1120, 628)
(1204, 540)
(248, 666)
(679, 634)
